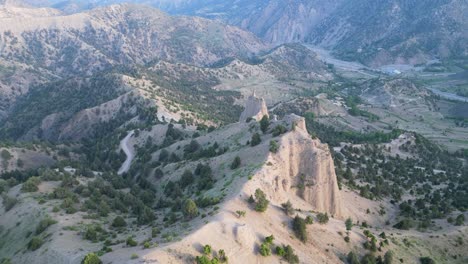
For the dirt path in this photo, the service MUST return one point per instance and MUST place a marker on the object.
(128, 151)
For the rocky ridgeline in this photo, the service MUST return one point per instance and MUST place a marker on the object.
(255, 108)
(303, 167)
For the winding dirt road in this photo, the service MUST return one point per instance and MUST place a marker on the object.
(128, 151)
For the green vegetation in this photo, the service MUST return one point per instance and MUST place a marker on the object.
(460, 220)
(206, 249)
(322, 218)
(31, 184)
(236, 163)
(333, 137)
(261, 202)
(389, 257)
(288, 207)
(274, 146)
(5, 155)
(392, 176)
(352, 102)
(287, 252)
(130, 242)
(349, 224)
(91, 258)
(44, 224)
(190, 209)
(300, 228)
(256, 139)
(206, 259)
(427, 260)
(264, 124)
(65, 96)
(352, 258)
(279, 130)
(265, 247)
(9, 202)
(240, 213)
(35, 243)
(118, 222)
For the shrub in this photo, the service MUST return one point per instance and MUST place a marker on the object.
(372, 245)
(460, 220)
(300, 229)
(164, 155)
(240, 213)
(90, 233)
(190, 209)
(222, 256)
(44, 224)
(91, 258)
(147, 244)
(349, 224)
(269, 239)
(154, 232)
(265, 249)
(309, 220)
(404, 224)
(236, 163)
(346, 239)
(5, 154)
(192, 147)
(273, 146)
(203, 260)
(35, 243)
(322, 218)
(264, 124)
(134, 256)
(9, 202)
(158, 173)
(256, 139)
(186, 179)
(352, 258)
(368, 259)
(130, 242)
(288, 208)
(388, 257)
(280, 251)
(427, 260)
(278, 130)
(261, 201)
(290, 256)
(31, 184)
(119, 222)
(206, 249)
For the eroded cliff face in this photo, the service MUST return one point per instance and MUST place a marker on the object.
(254, 108)
(302, 168)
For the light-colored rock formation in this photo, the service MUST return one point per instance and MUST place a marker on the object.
(254, 108)
(303, 167)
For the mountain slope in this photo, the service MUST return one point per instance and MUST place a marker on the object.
(274, 21)
(119, 34)
(40, 45)
(374, 32)
(385, 32)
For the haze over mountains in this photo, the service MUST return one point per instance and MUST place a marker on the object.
(236, 131)
(374, 32)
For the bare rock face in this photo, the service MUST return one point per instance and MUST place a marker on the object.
(254, 108)
(302, 168)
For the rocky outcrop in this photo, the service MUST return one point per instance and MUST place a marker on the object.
(254, 108)
(303, 167)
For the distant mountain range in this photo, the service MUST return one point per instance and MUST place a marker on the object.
(373, 32)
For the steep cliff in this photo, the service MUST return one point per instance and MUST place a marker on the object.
(254, 108)
(302, 167)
